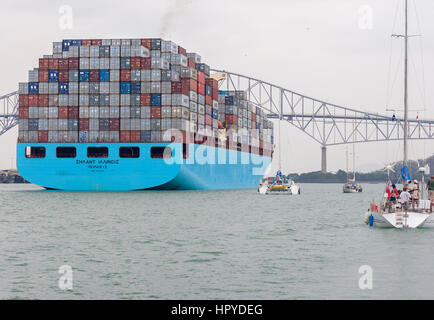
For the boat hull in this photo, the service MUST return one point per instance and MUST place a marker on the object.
(412, 220)
(206, 168)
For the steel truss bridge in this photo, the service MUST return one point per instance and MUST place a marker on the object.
(325, 123)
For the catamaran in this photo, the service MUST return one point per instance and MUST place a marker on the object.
(402, 210)
(278, 184)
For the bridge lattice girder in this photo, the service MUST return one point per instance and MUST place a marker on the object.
(326, 123)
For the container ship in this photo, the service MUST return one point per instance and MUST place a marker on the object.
(136, 114)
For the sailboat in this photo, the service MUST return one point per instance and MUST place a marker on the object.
(400, 210)
(278, 184)
(351, 186)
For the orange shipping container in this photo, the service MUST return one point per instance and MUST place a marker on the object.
(33, 100)
(43, 64)
(43, 75)
(43, 100)
(145, 99)
(125, 75)
(23, 100)
(135, 136)
(23, 112)
(53, 63)
(63, 112)
(124, 136)
(135, 63)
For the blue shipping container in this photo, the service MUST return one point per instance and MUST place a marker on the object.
(135, 87)
(215, 114)
(53, 76)
(155, 99)
(145, 136)
(104, 75)
(223, 93)
(83, 75)
(208, 90)
(125, 87)
(65, 45)
(63, 88)
(33, 87)
(75, 43)
(229, 100)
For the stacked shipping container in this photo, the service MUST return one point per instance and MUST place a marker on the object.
(134, 90)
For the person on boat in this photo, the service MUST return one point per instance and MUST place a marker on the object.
(415, 193)
(405, 198)
(393, 196)
(430, 188)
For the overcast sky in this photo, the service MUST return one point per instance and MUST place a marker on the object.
(322, 48)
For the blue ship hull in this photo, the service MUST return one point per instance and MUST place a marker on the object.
(210, 169)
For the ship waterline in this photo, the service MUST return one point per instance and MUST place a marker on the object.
(138, 166)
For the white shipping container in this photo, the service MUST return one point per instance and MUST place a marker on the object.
(115, 51)
(84, 52)
(93, 63)
(43, 88)
(84, 63)
(145, 87)
(94, 52)
(84, 112)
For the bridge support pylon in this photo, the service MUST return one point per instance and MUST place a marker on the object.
(324, 159)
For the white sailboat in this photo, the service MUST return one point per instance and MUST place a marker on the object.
(392, 212)
(278, 184)
(351, 186)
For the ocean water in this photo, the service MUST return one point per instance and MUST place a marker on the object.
(206, 245)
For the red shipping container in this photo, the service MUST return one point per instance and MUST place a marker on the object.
(135, 62)
(93, 76)
(23, 112)
(145, 99)
(125, 75)
(96, 42)
(145, 63)
(43, 76)
(86, 42)
(135, 136)
(188, 85)
(155, 112)
(63, 76)
(43, 64)
(43, 100)
(176, 87)
(33, 100)
(83, 124)
(208, 100)
(231, 119)
(191, 63)
(73, 63)
(200, 88)
(53, 64)
(254, 119)
(23, 100)
(146, 43)
(212, 83)
(182, 51)
(200, 77)
(43, 136)
(114, 124)
(64, 64)
(208, 120)
(73, 112)
(63, 112)
(124, 136)
(215, 94)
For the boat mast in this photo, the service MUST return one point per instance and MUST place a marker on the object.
(406, 88)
